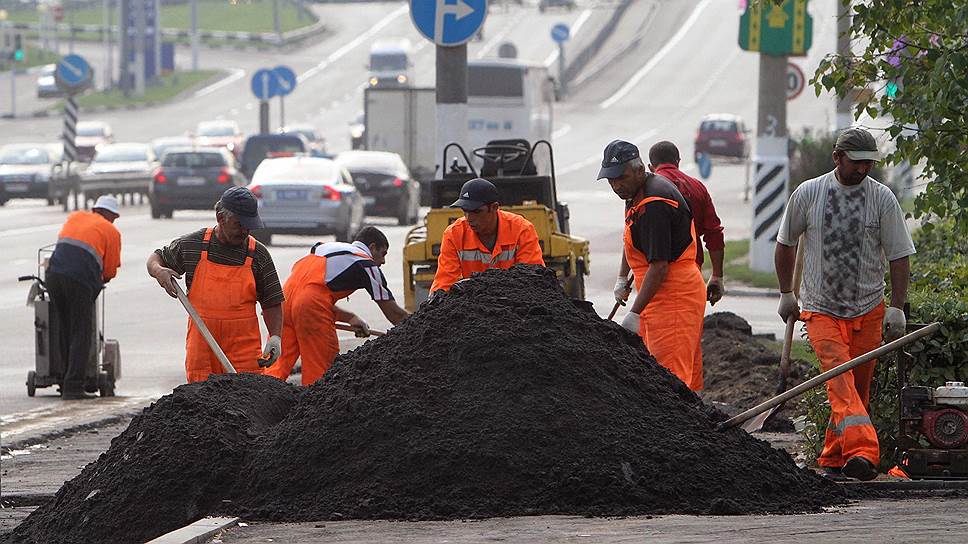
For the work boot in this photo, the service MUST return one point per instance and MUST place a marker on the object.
(77, 395)
(833, 474)
(861, 469)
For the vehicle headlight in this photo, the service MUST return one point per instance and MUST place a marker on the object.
(356, 132)
(401, 78)
(373, 81)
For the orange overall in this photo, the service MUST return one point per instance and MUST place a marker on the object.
(836, 341)
(671, 324)
(309, 323)
(225, 297)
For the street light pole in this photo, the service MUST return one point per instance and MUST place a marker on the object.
(276, 25)
(194, 35)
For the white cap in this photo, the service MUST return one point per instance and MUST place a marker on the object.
(109, 203)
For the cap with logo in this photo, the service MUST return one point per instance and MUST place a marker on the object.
(476, 193)
(858, 144)
(241, 202)
(109, 203)
(617, 154)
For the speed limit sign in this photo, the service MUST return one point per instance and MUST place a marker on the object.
(794, 81)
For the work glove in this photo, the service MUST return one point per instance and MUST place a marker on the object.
(271, 352)
(715, 290)
(789, 307)
(631, 322)
(894, 323)
(622, 289)
(360, 328)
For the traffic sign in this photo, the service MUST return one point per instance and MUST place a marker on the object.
(705, 165)
(285, 80)
(507, 50)
(560, 33)
(72, 74)
(448, 22)
(265, 84)
(795, 81)
(776, 28)
(58, 11)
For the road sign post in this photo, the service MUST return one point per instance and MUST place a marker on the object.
(560, 33)
(795, 81)
(264, 86)
(285, 84)
(72, 75)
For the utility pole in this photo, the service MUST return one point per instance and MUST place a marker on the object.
(157, 40)
(70, 21)
(844, 116)
(276, 24)
(451, 97)
(139, 47)
(194, 35)
(106, 40)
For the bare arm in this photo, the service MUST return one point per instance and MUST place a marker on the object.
(784, 258)
(272, 317)
(716, 260)
(163, 275)
(343, 315)
(650, 285)
(623, 267)
(392, 311)
(900, 275)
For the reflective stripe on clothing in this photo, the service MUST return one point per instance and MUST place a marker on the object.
(849, 421)
(486, 258)
(86, 247)
(88, 250)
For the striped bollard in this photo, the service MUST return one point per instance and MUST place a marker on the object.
(770, 175)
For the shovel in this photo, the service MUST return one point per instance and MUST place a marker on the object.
(759, 409)
(788, 338)
(347, 327)
(628, 284)
(757, 422)
(202, 328)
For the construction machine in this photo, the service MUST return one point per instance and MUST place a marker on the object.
(511, 166)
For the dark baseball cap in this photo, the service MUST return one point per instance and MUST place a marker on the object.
(617, 154)
(241, 202)
(858, 144)
(476, 193)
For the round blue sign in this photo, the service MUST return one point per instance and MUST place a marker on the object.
(560, 33)
(446, 22)
(73, 73)
(265, 84)
(285, 79)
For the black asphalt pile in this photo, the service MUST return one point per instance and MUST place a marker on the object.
(504, 398)
(742, 371)
(170, 467)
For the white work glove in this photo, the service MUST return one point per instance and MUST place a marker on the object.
(631, 322)
(715, 290)
(894, 323)
(360, 328)
(622, 289)
(271, 352)
(789, 307)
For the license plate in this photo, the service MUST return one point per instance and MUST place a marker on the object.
(292, 194)
(369, 200)
(191, 180)
(715, 142)
(16, 187)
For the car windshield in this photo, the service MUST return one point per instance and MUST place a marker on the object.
(121, 154)
(216, 130)
(194, 160)
(21, 155)
(387, 62)
(718, 126)
(309, 133)
(90, 130)
(379, 164)
(261, 148)
(495, 81)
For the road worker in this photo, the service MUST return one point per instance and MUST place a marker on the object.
(850, 224)
(486, 237)
(660, 248)
(87, 256)
(330, 272)
(227, 271)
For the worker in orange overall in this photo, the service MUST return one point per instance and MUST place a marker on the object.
(332, 271)
(227, 272)
(660, 248)
(850, 224)
(486, 237)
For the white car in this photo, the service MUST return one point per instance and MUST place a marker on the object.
(306, 195)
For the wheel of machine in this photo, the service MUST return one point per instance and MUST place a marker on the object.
(169, 212)
(105, 385)
(111, 359)
(155, 211)
(404, 216)
(31, 383)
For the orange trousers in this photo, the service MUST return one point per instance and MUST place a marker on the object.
(309, 332)
(836, 341)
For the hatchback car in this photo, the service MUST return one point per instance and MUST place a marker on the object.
(722, 135)
(259, 147)
(26, 170)
(219, 134)
(306, 195)
(46, 84)
(385, 183)
(89, 135)
(159, 146)
(191, 179)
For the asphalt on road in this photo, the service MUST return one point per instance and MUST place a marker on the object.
(702, 71)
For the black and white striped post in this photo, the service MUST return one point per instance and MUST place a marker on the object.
(69, 135)
(770, 173)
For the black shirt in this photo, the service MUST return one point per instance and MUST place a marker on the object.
(660, 231)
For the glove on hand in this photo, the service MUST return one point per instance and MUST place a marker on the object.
(361, 329)
(271, 352)
(894, 323)
(622, 289)
(789, 306)
(715, 290)
(631, 322)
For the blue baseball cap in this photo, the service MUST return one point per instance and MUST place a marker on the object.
(241, 202)
(476, 193)
(617, 154)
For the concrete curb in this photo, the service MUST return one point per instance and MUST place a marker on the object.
(103, 421)
(196, 533)
(908, 485)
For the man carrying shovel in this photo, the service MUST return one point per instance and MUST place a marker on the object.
(330, 272)
(227, 271)
(850, 224)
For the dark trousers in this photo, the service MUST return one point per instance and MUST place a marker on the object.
(73, 304)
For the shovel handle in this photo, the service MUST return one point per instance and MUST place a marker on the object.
(347, 327)
(628, 284)
(202, 328)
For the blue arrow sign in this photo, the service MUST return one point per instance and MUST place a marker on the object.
(265, 84)
(560, 33)
(448, 22)
(73, 71)
(705, 165)
(285, 80)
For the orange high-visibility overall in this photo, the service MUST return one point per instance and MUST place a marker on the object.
(309, 322)
(671, 324)
(224, 296)
(836, 341)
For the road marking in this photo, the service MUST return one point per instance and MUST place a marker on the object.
(237, 74)
(597, 158)
(657, 58)
(564, 129)
(581, 20)
(339, 53)
(29, 230)
(57, 417)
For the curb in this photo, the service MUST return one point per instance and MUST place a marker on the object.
(907, 485)
(195, 533)
(25, 441)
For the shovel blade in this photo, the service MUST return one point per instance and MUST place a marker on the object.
(756, 422)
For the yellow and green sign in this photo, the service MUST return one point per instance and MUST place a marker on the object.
(776, 28)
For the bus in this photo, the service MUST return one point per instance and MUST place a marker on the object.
(508, 99)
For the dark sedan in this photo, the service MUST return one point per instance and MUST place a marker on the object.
(385, 183)
(191, 179)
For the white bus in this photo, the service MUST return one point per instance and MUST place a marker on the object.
(507, 99)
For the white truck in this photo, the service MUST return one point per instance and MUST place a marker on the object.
(403, 121)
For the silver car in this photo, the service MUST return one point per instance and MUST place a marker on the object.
(26, 170)
(119, 169)
(306, 195)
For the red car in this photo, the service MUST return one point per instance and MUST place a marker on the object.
(722, 135)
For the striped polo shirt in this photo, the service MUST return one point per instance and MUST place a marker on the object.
(350, 267)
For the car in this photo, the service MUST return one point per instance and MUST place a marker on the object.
(722, 135)
(546, 4)
(120, 168)
(46, 84)
(358, 132)
(317, 143)
(90, 134)
(385, 183)
(26, 170)
(258, 147)
(160, 145)
(306, 195)
(191, 178)
(219, 134)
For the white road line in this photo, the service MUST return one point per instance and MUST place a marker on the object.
(562, 130)
(492, 43)
(657, 58)
(579, 22)
(339, 53)
(237, 74)
(595, 159)
(29, 230)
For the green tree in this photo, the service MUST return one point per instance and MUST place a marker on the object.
(913, 72)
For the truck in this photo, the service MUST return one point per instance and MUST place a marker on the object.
(403, 121)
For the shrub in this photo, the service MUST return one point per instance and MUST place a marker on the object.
(810, 157)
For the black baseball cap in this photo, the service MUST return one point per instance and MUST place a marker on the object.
(241, 202)
(476, 193)
(617, 154)
(858, 144)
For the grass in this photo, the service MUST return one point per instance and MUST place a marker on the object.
(232, 16)
(737, 268)
(165, 88)
(35, 57)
